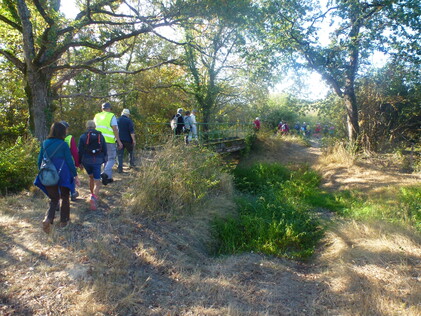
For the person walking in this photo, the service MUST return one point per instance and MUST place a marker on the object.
(127, 137)
(59, 153)
(256, 123)
(179, 122)
(194, 125)
(71, 142)
(187, 127)
(92, 154)
(106, 123)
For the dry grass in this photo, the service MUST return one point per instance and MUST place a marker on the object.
(117, 261)
(372, 269)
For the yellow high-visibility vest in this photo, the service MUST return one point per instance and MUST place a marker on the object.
(103, 124)
(68, 139)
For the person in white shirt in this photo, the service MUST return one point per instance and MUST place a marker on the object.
(194, 125)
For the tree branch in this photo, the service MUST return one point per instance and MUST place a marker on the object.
(11, 23)
(13, 59)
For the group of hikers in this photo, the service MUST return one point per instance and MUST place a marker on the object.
(185, 123)
(106, 138)
(305, 130)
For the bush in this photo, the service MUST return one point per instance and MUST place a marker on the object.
(178, 180)
(18, 165)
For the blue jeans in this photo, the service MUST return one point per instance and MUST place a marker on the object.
(120, 155)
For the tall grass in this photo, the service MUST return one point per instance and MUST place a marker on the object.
(178, 180)
(399, 205)
(274, 212)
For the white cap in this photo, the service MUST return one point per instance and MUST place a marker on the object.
(125, 112)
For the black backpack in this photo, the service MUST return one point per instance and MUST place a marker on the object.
(93, 144)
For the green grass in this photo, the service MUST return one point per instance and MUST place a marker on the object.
(275, 214)
(401, 205)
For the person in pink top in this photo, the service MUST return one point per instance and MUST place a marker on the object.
(70, 140)
(257, 123)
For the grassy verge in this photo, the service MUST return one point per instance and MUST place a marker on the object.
(274, 212)
(398, 205)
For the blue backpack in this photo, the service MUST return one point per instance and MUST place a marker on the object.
(48, 174)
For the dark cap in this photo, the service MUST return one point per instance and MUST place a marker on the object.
(106, 105)
(65, 124)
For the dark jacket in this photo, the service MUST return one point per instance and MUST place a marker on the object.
(89, 158)
(180, 124)
(125, 128)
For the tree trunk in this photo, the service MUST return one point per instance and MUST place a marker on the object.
(352, 114)
(41, 113)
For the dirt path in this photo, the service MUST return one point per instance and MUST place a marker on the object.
(111, 263)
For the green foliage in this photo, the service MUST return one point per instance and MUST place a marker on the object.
(260, 177)
(274, 212)
(18, 166)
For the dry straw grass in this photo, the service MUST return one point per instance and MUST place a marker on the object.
(177, 181)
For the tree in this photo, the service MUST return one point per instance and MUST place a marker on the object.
(356, 30)
(50, 50)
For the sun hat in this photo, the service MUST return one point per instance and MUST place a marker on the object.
(125, 112)
(179, 110)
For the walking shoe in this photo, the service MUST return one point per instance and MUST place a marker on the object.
(46, 226)
(110, 180)
(104, 178)
(120, 170)
(93, 203)
(74, 196)
(63, 224)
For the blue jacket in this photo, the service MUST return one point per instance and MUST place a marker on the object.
(88, 158)
(125, 128)
(62, 159)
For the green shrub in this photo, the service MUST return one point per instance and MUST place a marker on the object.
(178, 180)
(18, 165)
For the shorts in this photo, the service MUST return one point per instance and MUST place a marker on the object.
(93, 169)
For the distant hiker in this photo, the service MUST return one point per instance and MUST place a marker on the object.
(297, 127)
(187, 127)
(127, 137)
(279, 130)
(257, 124)
(106, 123)
(70, 140)
(56, 149)
(304, 128)
(177, 122)
(285, 128)
(194, 125)
(92, 154)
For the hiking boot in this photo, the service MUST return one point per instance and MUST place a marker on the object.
(104, 178)
(120, 170)
(74, 196)
(110, 180)
(93, 203)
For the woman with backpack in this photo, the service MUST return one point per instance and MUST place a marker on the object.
(56, 149)
(92, 154)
